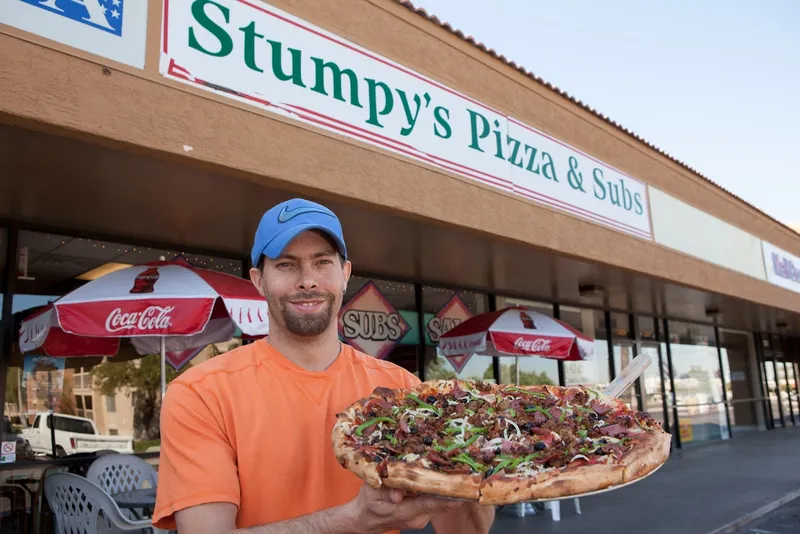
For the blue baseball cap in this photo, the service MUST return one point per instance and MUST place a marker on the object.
(282, 223)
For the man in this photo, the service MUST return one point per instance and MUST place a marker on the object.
(246, 437)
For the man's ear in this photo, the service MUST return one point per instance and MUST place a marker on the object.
(347, 268)
(255, 277)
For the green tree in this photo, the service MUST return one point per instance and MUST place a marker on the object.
(436, 370)
(66, 404)
(143, 380)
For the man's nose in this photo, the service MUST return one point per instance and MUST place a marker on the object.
(307, 279)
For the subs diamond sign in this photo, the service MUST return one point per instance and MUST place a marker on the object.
(370, 323)
(452, 314)
(252, 52)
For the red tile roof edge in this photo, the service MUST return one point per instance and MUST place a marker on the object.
(433, 18)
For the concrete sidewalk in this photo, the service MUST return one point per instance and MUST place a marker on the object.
(696, 492)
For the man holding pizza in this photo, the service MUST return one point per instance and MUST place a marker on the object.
(246, 437)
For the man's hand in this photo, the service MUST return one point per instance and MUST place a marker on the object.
(375, 511)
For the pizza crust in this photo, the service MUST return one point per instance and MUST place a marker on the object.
(352, 460)
(649, 451)
(551, 484)
(418, 479)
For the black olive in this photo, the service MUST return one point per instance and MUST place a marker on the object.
(427, 440)
(371, 413)
(413, 430)
(540, 446)
(603, 441)
(599, 450)
(592, 415)
(377, 459)
(431, 399)
(527, 427)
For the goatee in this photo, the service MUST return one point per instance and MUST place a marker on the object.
(307, 325)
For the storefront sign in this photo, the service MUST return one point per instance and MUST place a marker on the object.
(370, 323)
(252, 52)
(115, 29)
(451, 315)
(783, 269)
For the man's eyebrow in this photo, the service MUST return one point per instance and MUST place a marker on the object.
(324, 253)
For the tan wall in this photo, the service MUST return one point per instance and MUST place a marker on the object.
(140, 111)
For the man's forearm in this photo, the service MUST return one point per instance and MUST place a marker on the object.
(337, 520)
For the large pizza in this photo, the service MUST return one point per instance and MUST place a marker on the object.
(497, 444)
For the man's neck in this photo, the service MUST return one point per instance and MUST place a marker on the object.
(312, 354)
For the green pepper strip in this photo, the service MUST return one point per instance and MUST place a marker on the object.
(489, 411)
(392, 439)
(531, 393)
(424, 404)
(512, 412)
(518, 461)
(465, 459)
(371, 422)
(540, 410)
(563, 416)
(583, 433)
(500, 466)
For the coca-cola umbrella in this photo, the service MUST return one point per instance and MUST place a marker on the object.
(516, 331)
(166, 306)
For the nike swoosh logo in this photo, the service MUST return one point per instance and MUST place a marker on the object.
(287, 215)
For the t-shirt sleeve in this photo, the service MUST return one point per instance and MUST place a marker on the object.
(197, 463)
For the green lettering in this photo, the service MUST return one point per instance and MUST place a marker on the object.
(473, 118)
(599, 187)
(637, 198)
(514, 149)
(549, 168)
(388, 101)
(296, 75)
(337, 73)
(532, 159)
(442, 116)
(224, 40)
(250, 37)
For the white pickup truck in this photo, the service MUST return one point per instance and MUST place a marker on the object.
(73, 435)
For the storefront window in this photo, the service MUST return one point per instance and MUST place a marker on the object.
(532, 369)
(698, 383)
(117, 396)
(444, 309)
(737, 350)
(593, 373)
(379, 318)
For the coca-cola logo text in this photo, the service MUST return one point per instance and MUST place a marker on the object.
(536, 345)
(153, 318)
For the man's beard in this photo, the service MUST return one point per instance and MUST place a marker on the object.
(304, 325)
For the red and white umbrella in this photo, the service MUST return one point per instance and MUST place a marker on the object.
(166, 305)
(517, 331)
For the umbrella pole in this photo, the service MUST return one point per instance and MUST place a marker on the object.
(163, 367)
(516, 366)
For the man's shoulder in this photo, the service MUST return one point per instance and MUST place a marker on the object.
(231, 362)
(386, 370)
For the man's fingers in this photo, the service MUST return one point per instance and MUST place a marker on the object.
(435, 506)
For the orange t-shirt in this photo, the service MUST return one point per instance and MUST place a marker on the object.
(252, 428)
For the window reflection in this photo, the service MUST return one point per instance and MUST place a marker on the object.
(698, 383)
(532, 369)
(444, 309)
(379, 318)
(116, 399)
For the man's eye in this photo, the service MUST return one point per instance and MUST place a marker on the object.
(284, 264)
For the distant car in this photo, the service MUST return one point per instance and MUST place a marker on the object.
(73, 435)
(24, 450)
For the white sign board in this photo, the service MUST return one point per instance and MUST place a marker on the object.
(783, 269)
(9, 452)
(252, 52)
(115, 29)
